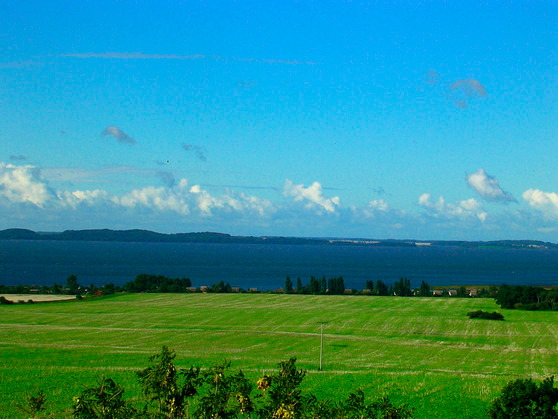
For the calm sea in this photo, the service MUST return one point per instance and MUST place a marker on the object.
(266, 266)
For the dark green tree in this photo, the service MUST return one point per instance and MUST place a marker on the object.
(108, 289)
(72, 284)
(221, 287)
(424, 290)
(55, 289)
(402, 288)
(336, 286)
(370, 285)
(314, 286)
(299, 287)
(288, 285)
(381, 288)
(523, 398)
(323, 286)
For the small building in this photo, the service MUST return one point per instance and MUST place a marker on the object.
(366, 291)
(452, 293)
(204, 288)
(437, 293)
(192, 289)
(348, 291)
(252, 290)
(235, 289)
(473, 292)
(279, 291)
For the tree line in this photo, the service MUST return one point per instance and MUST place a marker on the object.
(527, 297)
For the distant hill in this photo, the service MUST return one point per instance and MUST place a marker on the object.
(211, 237)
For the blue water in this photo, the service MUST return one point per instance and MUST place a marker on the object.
(266, 266)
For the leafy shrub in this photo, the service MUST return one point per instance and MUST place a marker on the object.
(522, 398)
(162, 387)
(104, 401)
(283, 395)
(479, 314)
(34, 404)
(224, 395)
(356, 407)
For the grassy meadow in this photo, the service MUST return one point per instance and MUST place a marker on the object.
(422, 351)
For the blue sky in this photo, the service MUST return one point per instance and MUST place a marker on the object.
(417, 120)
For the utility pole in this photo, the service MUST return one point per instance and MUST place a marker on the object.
(322, 341)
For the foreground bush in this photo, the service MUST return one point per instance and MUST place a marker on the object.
(102, 401)
(523, 398)
(218, 393)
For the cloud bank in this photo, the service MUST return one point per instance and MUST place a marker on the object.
(27, 199)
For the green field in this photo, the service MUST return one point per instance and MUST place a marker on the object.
(423, 351)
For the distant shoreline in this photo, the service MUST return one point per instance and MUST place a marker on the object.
(146, 236)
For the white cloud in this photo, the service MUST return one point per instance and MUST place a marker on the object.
(239, 203)
(488, 187)
(249, 203)
(204, 200)
(312, 196)
(193, 200)
(21, 184)
(545, 202)
(469, 208)
(375, 208)
(162, 199)
(379, 205)
(73, 199)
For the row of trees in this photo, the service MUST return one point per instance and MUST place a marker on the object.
(157, 283)
(72, 287)
(317, 286)
(401, 288)
(527, 297)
